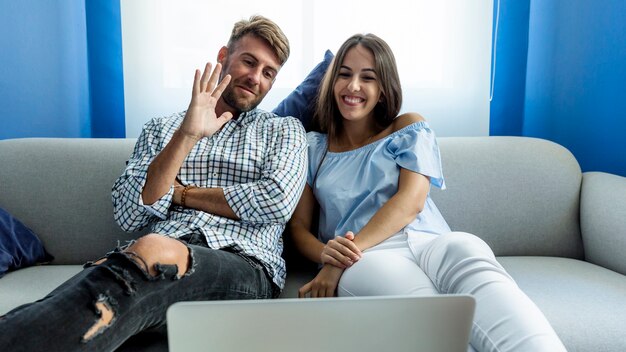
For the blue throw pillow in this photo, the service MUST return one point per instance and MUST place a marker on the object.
(301, 102)
(19, 246)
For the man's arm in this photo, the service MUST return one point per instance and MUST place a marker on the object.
(208, 200)
(144, 191)
(273, 197)
(200, 121)
(129, 210)
(164, 168)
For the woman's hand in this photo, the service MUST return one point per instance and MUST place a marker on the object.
(341, 251)
(324, 284)
(201, 119)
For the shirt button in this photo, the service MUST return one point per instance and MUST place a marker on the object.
(215, 174)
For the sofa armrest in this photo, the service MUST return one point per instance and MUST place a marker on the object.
(603, 219)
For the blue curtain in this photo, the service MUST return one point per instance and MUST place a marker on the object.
(61, 69)
(559, 75)
(106, 79)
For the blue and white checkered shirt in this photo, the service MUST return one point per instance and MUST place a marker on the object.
(259, 160)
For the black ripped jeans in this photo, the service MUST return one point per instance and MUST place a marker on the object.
(105, 304)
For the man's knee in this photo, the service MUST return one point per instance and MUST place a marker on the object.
(153, 249)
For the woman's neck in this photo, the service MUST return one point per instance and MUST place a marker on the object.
(354, 135)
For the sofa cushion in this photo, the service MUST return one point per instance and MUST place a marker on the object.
(33, 283)
(585, 303)
(19, 246)
(301, 102)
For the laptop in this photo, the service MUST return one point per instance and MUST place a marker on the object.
(348, 324)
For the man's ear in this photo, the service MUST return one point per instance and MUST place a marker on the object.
(222, 54)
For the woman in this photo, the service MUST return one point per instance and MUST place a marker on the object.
(379, 232)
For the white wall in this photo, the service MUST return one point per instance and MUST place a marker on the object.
(442, 48)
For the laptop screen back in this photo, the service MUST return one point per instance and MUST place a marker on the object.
(364, 324)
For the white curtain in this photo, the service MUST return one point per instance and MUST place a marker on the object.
(443, 49)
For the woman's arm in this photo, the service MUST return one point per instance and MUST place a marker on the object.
(343, 251)
(300, 227)
(399, 211)
(340, 252)
(402, 207)
(325, 282)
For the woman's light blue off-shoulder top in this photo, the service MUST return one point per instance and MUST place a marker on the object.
(351, 186)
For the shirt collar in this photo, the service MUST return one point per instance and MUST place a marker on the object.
(246, 117)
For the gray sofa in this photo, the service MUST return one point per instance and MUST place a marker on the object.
(559, 232)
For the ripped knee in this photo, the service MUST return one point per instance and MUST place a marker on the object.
(106, 317)
(153, 252)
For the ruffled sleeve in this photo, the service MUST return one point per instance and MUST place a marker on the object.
(415, 148)
(317, 146)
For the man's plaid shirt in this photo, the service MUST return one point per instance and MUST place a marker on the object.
(260, 162)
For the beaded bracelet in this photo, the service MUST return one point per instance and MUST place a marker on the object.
(184, 194)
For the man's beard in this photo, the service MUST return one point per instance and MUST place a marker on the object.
(240, 106)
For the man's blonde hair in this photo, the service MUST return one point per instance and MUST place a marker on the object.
(265, 29)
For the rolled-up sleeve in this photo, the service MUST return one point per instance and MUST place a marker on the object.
(273, 198)
(128, 209)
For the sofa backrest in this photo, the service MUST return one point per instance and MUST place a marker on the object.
(61, 189)
(521, 195)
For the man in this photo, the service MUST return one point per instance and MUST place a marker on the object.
(217, 183)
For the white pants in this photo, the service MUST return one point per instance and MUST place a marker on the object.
(456, 262)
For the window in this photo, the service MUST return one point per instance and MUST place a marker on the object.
(442, 48)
